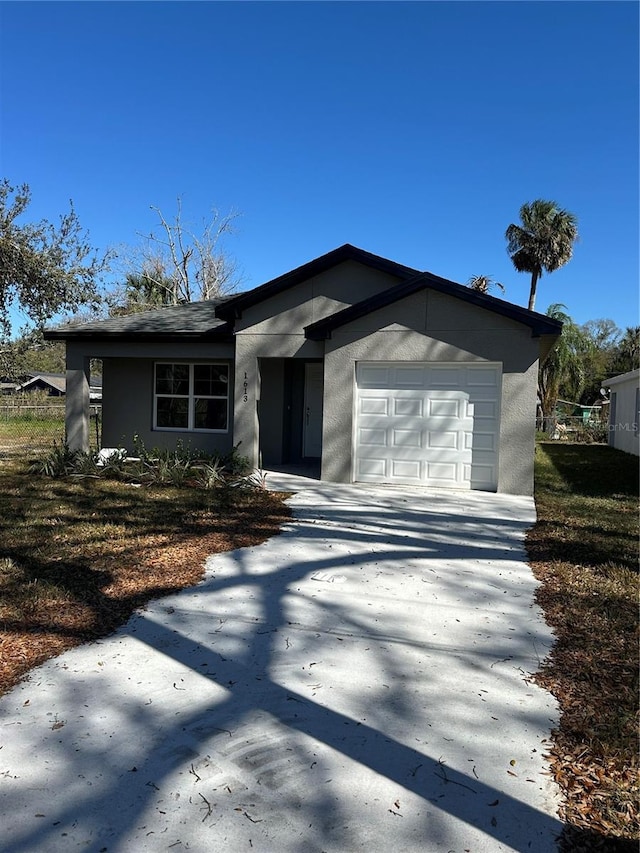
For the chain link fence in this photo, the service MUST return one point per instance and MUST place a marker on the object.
(579, 428)
(26, 426)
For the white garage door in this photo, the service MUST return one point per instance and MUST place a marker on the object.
(427, 424)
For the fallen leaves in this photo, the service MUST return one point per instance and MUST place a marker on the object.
(581, 551)
(133, 548)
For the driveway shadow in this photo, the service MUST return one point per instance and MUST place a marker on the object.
(357, 683)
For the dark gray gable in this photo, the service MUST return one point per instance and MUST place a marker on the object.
(175, 322)
(232, 308)
(540, 324)
(56, 381)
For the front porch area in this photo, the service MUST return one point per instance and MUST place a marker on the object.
(290, 407)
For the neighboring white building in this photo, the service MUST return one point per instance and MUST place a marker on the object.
(624, 411)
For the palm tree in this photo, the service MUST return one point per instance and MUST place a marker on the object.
(563, 371)
(627, 356)
(483, 283)
(544, 240)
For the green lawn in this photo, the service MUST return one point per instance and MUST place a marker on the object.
(29, 431)
(37, 430)
(584, 550)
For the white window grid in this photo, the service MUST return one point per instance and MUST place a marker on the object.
(191, 397)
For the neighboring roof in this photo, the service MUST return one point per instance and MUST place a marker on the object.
(232, 308)
(540, 324)
(175, 322)
(623, 377)
(55, 380)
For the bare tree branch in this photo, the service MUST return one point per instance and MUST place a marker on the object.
(177, 265)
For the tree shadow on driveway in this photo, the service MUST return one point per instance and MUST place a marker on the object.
(357, 683)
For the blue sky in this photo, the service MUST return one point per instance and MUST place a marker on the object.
(412, 130)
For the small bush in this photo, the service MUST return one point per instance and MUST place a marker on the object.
(111, 463)
(234, 463)
(592, 434)
(59, 462)
(179, 467)
(208, 475)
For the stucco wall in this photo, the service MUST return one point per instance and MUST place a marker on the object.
(275, 329)
(288, 312)
(127, 392)
(426, 327)
(624, 432)
(131, 413)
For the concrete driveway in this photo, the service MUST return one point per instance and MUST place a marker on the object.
(358, 683)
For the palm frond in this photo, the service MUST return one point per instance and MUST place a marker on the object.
(543, 242)
(483, 283)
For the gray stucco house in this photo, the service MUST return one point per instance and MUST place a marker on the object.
(384, 373)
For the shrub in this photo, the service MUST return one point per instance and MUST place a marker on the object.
(59, 462)
(208, 475)
(179, 467)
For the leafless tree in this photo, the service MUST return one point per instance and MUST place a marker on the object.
(175, 264)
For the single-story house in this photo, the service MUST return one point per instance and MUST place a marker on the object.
(624, 411)
(55, 384)
(381, 372)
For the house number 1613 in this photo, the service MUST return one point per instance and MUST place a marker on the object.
(245, 385)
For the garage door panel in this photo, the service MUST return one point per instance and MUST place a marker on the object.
(406, 438)
(442, 473)
(374, 406)
(407, 469)
(438, 407)
(373, 376)
(407, 407)
(443, 439)
(485, 409)
(481, 376)
(372, 437)
(445, 377)
(480, 441)
(371, 470)
(427, 424)
(482, 475)
(409, 376)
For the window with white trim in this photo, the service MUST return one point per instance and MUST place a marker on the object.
(191, 397)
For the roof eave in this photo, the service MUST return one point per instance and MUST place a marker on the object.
(623, 377)
(540, 324)
(222, 335)
(232, 308)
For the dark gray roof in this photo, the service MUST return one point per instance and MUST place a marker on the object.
(55, 380)
(191, 320)
(213, 319)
